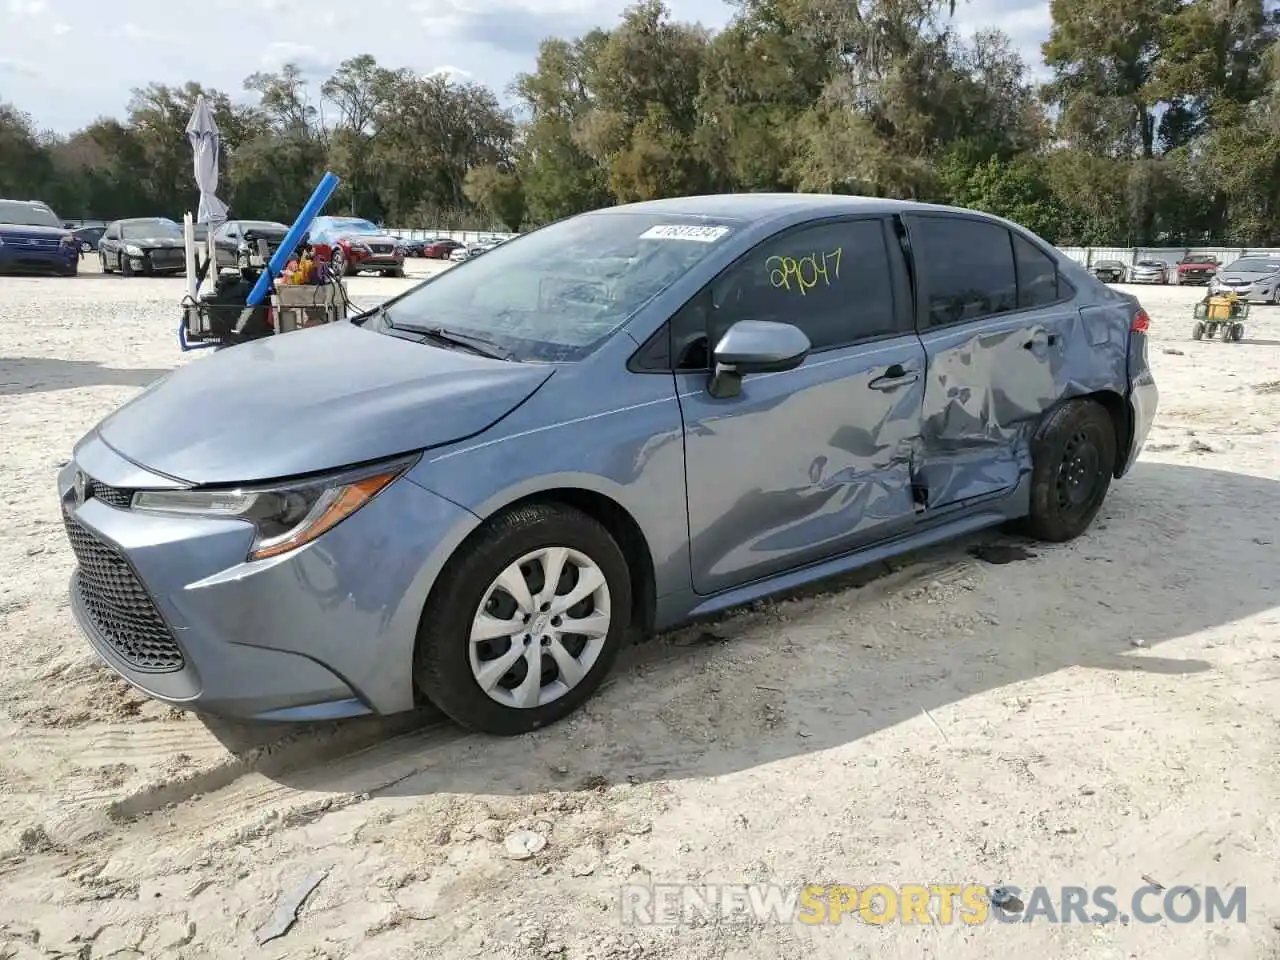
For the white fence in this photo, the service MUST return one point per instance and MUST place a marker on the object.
(1131, 255)
(462, 236)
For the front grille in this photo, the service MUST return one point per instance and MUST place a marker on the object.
(119, 605)
(381, 247)
(112, 496)
(168, 256)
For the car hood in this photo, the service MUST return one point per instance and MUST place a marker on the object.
(31, 232)
(311, 401)
(1148, 268)
(154, 243)
(275, 233)
(368, 238)
(1243, 276)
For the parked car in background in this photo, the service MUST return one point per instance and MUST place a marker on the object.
(236, 241)
(473, 499)
(354, 246)
(1109, 271)
(1196, 268)
(33, 240)
(87, 237)
(440, 248)
(147, 245)
(1149, 271)
(459, 253)
(1249, 278)
(411, 247)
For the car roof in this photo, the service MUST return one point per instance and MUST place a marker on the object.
(761, 206)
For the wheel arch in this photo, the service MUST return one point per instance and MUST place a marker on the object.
(1117, 408)
(598, 505)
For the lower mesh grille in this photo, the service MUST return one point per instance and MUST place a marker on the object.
(119, 606)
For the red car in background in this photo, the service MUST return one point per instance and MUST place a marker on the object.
(1197, 268)
(440, 249)
(353, 246)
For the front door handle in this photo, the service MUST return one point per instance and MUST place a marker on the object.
(896, 376)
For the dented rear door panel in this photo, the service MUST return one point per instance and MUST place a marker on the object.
(990, 381)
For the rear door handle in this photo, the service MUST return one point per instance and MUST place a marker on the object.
(896, 376)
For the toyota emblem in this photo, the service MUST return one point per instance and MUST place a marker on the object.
(79, 488)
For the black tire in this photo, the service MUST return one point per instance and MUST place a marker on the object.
(442, 666)
(102, 258)
(1073, 460)
(126, 268)
(397, 274)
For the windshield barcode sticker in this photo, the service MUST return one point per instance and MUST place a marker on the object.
(685, 232)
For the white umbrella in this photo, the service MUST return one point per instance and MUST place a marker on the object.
(203, 134)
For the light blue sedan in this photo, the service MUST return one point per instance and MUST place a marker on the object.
(476, 493)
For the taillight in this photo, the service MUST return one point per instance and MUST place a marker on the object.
(1141, 322)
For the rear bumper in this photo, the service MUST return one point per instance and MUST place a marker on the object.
(1144, 398)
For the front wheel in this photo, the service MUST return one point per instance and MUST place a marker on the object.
(396, 274)
(1197, 330)
(1073, 459)
(102, 260)
(524, 624)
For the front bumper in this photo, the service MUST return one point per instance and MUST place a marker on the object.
(161, 260)
(1195, 278)
(1248, 291)
(376, 261)
(326, 631)
(1146, 278)
(27, 258)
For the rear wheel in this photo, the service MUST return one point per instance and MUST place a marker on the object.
(523, 626)
(1073, 459)
(102, 260)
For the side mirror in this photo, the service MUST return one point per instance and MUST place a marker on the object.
(754, 346)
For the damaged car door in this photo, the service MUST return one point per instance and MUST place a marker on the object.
(813, 461)
(994, 315)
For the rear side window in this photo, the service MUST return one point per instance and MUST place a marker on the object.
(969, 268)
(1037, 275)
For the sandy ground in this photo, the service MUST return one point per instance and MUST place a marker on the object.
(1098, 713)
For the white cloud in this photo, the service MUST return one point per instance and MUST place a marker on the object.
(18, 68)
(61, 29)
(308, 58)
(26, 8)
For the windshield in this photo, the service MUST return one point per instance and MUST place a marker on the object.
(145, 229)
(27, 215)
(1198, 260)
(1151, 263)
(1255, 266)
(558, 293)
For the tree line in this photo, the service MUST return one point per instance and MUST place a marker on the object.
(1159, 124)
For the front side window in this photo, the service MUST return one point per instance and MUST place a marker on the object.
(555, 295)
(832, 280)
(969, 268)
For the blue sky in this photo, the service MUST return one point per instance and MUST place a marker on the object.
(68, 61)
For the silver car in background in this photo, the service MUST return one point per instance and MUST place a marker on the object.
(1149, 271)
(1249, 278)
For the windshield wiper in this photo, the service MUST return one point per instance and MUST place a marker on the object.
(478, 345)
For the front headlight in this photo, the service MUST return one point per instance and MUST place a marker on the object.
(285, 516)
(362, 247)
(132, 250)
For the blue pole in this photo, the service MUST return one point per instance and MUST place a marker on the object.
(290, 243)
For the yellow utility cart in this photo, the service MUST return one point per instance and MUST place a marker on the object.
(1220, 315)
